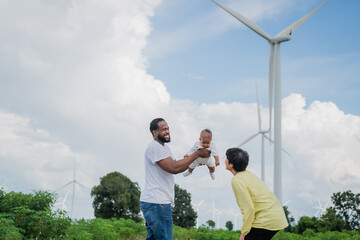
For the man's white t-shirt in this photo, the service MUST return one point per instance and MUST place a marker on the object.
(159, 184)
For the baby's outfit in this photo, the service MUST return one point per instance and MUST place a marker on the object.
(210, 161)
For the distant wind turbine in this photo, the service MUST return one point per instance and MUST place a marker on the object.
(197, 205)
(274, 73)
(216, 212)
(264, 136)
(73, 182)
(235, 218)
(321, 210)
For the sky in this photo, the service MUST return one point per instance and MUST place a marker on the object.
(80, 82)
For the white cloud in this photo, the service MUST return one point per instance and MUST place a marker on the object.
(33, 158)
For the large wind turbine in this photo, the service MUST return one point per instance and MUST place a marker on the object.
(274, 73)
(264, 136)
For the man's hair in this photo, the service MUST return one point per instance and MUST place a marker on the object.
(206, 131)
(238, 158)
(154, 125)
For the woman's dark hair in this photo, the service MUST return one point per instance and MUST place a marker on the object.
(238, 158)
(154, 125)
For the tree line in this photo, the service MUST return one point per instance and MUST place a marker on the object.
(116, 200)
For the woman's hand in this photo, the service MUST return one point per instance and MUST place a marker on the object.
(242, 237)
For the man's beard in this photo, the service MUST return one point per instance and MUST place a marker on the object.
(163, 139)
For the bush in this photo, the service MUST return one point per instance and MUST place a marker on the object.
(8, 230)
(106, 229)
(31, 216)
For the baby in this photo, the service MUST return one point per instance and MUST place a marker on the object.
(211, 162)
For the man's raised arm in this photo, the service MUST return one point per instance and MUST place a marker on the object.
(178, 166)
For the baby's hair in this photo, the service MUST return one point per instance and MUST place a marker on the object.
(206, 131)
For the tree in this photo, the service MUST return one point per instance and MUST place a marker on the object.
(116, 197)
(29, 216)
(183, 212)
(290, 219)
(330, 221)
(306, 222)
(211, 223)
(229, 225)
(347, 205)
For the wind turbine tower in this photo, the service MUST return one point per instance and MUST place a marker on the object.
(274, 74)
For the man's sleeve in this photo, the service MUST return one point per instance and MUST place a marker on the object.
(245, 204)
(159, 153)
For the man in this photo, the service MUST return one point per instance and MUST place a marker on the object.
(157, 198)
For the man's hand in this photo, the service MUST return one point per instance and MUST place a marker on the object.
(217, 162)
(203, 152)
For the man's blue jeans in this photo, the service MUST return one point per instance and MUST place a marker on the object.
(159, 221)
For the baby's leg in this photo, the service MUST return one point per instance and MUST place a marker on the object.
(211, 165)
(190, 169)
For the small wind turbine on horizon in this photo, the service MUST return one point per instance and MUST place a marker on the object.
(217, 212)
(73, 182)
(321, 210)
(197, 205)
(264, 136)
(274, 74)
(235, 218)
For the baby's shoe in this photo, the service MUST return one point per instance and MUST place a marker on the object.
(212, 175)
(186, 173)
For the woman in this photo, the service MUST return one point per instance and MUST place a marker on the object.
(263, 215)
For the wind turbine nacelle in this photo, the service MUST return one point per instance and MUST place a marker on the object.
(280, 39)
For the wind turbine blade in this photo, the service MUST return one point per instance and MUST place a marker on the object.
(258, 108)
(65, 197)
(326, 204)
(357, 137)
(272, 141)
(271, 84)
(245, 21)
(286, 202)
(82, 185)
(287, 31)
(248, 139)
(64, 186)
